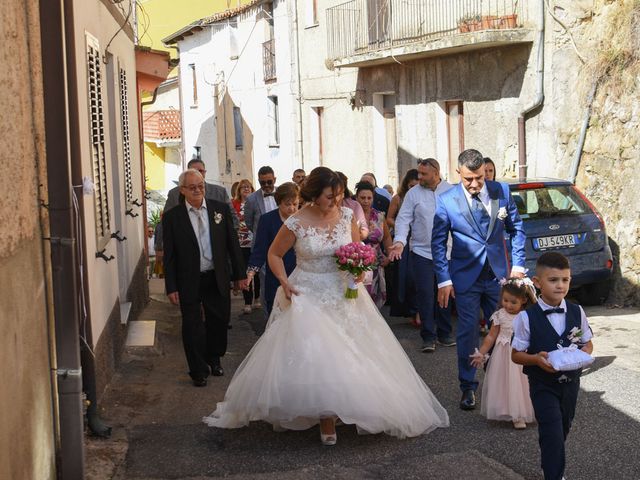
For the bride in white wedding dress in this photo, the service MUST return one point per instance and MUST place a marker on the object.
(323, 356)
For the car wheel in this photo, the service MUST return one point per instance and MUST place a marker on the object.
(595, 293)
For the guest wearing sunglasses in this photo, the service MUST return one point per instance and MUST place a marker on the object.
(262, 200)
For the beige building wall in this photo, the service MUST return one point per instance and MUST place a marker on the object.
(109, 282)
(26, 416)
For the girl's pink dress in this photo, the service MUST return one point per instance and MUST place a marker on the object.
(505, 391)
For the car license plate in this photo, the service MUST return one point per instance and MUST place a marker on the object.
(556, 241)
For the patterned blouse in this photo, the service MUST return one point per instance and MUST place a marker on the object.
(245, 236)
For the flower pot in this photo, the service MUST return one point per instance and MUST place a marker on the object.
(463, 27)
(489, 22)
(475, 25)
(508, 21)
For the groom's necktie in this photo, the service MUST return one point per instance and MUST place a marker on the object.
(480, 214)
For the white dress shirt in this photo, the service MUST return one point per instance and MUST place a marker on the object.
(417, 213)
(269, 203)
(522, 333)
(204, 237)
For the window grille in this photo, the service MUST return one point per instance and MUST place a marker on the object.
(126, 144)
(99, 166)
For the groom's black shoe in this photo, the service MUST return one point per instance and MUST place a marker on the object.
(199, 382)
(216, 368)
(468, 400)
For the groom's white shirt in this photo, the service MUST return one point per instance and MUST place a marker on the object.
(483, 196)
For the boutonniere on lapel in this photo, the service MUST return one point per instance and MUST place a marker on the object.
(502, 213)
(217, 217)
(575, 335)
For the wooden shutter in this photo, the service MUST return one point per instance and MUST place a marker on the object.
(126, 144)
(96, 119)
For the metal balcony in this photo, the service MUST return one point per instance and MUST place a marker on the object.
(370, 32)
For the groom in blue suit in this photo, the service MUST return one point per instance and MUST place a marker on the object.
(476, 214)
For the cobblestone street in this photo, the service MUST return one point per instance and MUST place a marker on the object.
(156, 416)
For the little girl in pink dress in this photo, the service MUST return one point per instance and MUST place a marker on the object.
(505, 391)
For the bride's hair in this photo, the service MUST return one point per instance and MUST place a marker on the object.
(319, 179)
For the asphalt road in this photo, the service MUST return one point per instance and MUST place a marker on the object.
(158, 433)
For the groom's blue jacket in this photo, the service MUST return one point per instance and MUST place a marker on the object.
(470, 247)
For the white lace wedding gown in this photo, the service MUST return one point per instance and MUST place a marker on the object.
(322, 354)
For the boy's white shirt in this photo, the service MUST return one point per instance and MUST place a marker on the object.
(522, 333)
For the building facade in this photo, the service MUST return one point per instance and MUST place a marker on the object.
(72, 244)
(236, 86)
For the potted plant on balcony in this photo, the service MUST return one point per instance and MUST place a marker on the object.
(508, 21)
(490, 21)
(469, 23)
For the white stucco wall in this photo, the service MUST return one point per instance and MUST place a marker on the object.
(229, 73)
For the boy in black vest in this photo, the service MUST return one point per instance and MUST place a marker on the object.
(538, 330)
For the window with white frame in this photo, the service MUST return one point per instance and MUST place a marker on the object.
(272, 116)
(126, 143)
(98, 162)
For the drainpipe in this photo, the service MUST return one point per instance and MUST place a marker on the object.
(300, 129)
(60, 104)
(87, 358)
(575, 164)
(538, 101)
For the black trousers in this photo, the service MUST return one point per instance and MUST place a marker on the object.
(254, 291)
(555, 406)
(205, 339)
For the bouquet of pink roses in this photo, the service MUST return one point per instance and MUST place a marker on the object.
(355, 258)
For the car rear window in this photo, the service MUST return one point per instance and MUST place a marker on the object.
(550, 201)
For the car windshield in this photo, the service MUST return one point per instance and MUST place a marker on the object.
(549, 201)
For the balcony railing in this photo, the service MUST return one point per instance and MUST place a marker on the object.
(362, 26)
(269, 60)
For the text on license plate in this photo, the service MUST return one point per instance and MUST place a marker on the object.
(555, 241)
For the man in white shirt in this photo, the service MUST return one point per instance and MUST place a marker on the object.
(416, 215)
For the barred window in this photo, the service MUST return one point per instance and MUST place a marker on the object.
(96, 119)
(126, 144)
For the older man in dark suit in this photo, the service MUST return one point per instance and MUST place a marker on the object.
(201, 256)
(211, 191)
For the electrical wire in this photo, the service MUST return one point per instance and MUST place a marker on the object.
(82, 330)
(146, 20)
(126, 20)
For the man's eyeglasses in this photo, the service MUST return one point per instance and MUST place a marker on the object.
(265, 183)
(194, 188)
(427, 162)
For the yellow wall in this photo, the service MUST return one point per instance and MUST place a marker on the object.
(153, 166)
